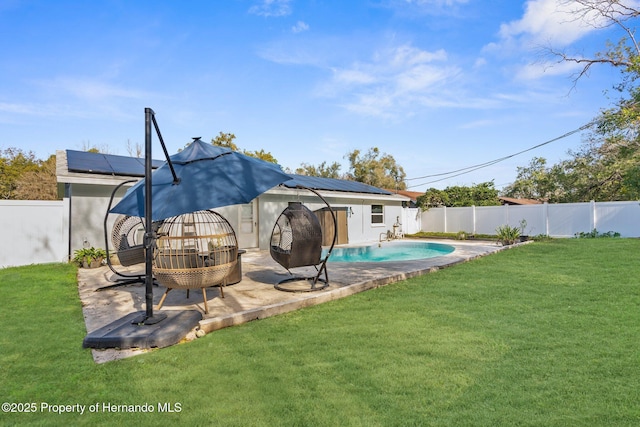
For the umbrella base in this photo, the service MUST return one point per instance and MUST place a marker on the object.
(135, 330)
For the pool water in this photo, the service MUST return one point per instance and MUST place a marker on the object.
(389, 251)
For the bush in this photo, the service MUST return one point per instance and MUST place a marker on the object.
(462, 235)
(508, 235)
(593, 234)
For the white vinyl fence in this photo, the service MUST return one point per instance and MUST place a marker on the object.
(411, 220)
(555, 220)
(33, 232)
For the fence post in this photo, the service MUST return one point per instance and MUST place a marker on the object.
(444, 216)
(594, 220)
(545, 211)
(473, 218)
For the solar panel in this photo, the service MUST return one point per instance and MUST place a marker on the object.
(106, 164)
(318, 183)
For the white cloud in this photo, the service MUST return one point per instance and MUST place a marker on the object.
(478, 124)
(353, 77)
(14, 108)
(479, 63)
(544, 23)
(300, 27)
(438, 3)
(294, 52)
(549, 21)
(41, 109)
(393, 83)
(91, 89)
(271, 8)
(76, 98)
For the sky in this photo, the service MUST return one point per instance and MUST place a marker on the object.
(440, 85)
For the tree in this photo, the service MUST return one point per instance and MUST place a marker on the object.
(226, 140)
(39, 184)
(374, 168)
(322, 170)
(483, 194)
(135, 150)
(92, 148)
(433, 198)
(605, 166)
(604, 14)
(14, 162)
(536, 181)
(24, 177)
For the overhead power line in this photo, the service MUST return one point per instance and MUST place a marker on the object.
(473, 168)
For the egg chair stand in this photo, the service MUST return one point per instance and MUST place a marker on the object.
(296, 241)
(123, 238)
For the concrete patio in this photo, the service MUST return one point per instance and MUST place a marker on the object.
(255, 296)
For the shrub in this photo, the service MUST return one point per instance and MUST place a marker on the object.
(508, 235)
(593, 234)
(462, 235)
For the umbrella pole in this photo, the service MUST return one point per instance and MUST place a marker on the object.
(149, 236)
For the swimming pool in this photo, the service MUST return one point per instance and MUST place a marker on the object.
(389, 251)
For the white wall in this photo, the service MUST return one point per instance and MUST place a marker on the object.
(88, 208)
(360, 228)
(556, 220)
(33, 232)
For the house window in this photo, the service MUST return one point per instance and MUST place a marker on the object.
(377, 214)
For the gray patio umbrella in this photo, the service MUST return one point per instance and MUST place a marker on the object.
(206, 177)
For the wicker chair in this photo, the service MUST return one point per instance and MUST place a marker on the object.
(126, 238)
(296, 240)
(195, 251)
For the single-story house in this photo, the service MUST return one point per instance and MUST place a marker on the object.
(88, 179)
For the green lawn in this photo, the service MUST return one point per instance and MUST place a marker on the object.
(545, 335)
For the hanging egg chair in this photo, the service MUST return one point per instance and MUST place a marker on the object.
(296, 241)
(195, 251)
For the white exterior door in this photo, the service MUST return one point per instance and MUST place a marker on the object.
(248, 229)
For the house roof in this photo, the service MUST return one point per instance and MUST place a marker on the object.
(332, 184)
(515, 201)
(413, 195)
(100, 164)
